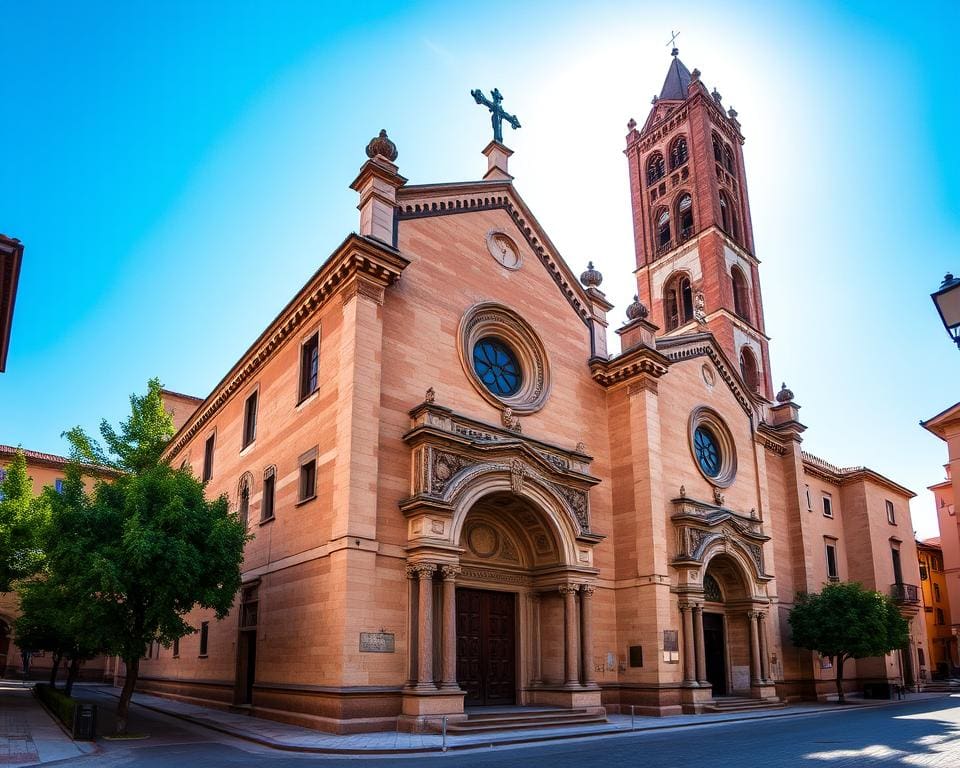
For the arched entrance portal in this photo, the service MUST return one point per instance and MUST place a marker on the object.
(727, 617)
(515, 623)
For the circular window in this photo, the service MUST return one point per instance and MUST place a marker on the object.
(504, 358)
(497, 367)
(712, 447)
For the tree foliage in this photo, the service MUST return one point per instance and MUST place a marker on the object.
(845, 621)
(145, 548)
(23, 519)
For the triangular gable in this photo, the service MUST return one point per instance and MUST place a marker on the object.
(425, 200)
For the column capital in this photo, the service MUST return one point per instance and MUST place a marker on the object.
(535, 597)
(423, 571)
(566, 589)
(751, 614)
(450, 572)
(587, 590)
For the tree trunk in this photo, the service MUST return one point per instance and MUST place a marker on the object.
(123, 706)
(839, 662)
(53, 671)
(72, 671)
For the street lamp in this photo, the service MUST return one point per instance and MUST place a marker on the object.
(947, 300)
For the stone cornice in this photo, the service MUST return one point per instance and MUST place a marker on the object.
(425, 200)
(637, 362)
(814, 465)
(359, 264)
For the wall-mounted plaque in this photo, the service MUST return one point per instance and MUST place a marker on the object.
(670, 640)
(377, 642)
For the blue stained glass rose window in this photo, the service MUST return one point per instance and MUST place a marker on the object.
(707, 451)
(497, 366)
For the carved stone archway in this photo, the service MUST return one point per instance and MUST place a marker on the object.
(492, 510)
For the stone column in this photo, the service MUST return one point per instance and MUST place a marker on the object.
(689, 654)
(586, 634)
(571, 678)
(701, 653)
(755, 676)
(425, 573)
(764, 654)
(449, 655)
(535, 637)
(412, 629)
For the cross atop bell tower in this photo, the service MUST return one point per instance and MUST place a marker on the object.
(696, 266)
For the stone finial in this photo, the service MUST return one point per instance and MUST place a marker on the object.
(591, 278)
(637, 310)
(655, 99)
(732, 113)
(381, 145)
(784, 395)
(430, 396)
(695, 76)
(716, 96)
(581, 447)
(683, 491)
(631, 124)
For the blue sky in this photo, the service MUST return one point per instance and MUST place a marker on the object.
(151, 151)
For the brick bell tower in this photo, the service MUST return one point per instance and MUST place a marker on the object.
(696, 268)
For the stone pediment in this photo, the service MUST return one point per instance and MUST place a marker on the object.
(701, 526)
(451, 451)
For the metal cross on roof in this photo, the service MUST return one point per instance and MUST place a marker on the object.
(673, 43)
(497, 113)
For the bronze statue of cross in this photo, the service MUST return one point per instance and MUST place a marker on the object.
(673, 43)
(497, 113)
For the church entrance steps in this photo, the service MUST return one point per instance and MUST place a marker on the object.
(942, 686)
(525, 718)
(741, 704)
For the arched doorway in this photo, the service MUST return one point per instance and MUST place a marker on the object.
(729, 628)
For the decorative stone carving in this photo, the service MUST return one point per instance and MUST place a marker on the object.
(381, 145)
(450, 572)
(504, 250)
(718, 496)
(508, 551)
(784, 395)
(683, 491)
(510, 421)
(699, 308)
(637, 310)
(587, 590)
(592, 277)
(483, 540)
(542, 544)
(517, 471)
(498, 576)
(577, 501)
(566, 589)
(430, 396)
(445, 466)
(581, 447)
(423, 571)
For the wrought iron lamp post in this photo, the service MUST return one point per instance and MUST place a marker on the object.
(947, 301)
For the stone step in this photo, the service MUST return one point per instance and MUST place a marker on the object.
(741, 704)
(485, 722)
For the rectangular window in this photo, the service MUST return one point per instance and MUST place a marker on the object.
(309, 366)
(897, 569)
(208, 458)
(923, 573)
(891, 513)
(250, 420)
(58, 484)
(827, 505)
(266, 507)
(308, 475)
(809, 504)
(936, 592)
(940, 618)
(176, 647)
(204, 636)
(832, 573)
(937, 563)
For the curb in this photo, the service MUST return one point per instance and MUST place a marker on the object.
(531, 739)
(95, 749)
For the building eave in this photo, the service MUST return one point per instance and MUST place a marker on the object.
(11, 257)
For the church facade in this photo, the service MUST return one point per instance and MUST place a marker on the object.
(460, 498)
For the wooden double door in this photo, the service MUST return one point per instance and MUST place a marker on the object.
(486, 646)
(715, 650)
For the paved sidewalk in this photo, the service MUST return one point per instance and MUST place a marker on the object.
(295, 738)
(28, 735)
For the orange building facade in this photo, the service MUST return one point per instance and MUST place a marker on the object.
(45, 470)
(459, 498)
(943, 659)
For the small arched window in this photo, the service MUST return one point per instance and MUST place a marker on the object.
(741, 293)
(655, 168)
(728, 158)
(678, 302)
(243, 506)
(678, 152)
(728, 218)
(663, 228)
(749, 370)
(717, 149)
(685, 216)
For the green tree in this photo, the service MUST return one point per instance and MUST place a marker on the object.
(23, 518)
(845, 621)
(147, 546)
